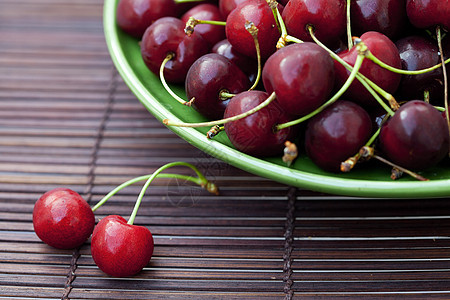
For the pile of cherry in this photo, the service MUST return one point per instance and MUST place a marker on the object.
(391, 107)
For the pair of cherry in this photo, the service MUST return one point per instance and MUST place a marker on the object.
(64, 220)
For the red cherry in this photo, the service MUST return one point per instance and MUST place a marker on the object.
(166, 35)
(336, 134)
(209, 12)
(120, 249)
(385, 50)
(259, 13)
(327, 17)
(428, 13)
(63, 219)
(134, 16)
(207, 77)
(255, 134)
(302, 76)
(416, 137)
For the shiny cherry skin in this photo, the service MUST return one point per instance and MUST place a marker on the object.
(255, 135)
(166, 35)
(258, 12)
(337, 133)
(209, 12)
(134, 16)
(207, 77)
(248, 65)
(120, 249)
(63, 219)
(301, 75)
(327, 17)
(385, 50)
(428, 13)
(416, 53)
(385, 16)
(416, 137)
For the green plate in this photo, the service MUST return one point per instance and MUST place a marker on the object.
(372, 180)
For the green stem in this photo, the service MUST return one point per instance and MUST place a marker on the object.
(164, 83)
(200, 180)
(223, 121)
(358, 63)
(444, 71)
(253, 30)
(349, 27)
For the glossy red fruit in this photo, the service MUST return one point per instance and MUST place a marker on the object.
(63, 219)
(416, 137)
(327, 17)
(207, 77)
(385, 50)
(301, 75)
(120, 249)
(134, 16)
(258, 12)
(255, 135)
(385, 16)
(208, 12)
(336, 134)
(428, 13)
(166, 35)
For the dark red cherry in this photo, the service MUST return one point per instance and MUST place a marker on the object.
(428, 13)
(416, 137)
(248, 65)
(255, 135)
(63, 219)
(385, 16)
(227, 6)
(166, 35)
(134, 16)
(336, 134)
(301, 75)
(385, 50)
(416, 53)
(258, 12)
(327, 17)
(207, 77)
(208, 12)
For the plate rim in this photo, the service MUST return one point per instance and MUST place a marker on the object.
(315, 182)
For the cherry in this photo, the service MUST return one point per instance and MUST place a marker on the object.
(337, 133)
(248, 65)
(120, 249)
(209, 12)
(416, 53)
(134, 16)
(385, 16)
(327, 17)
(416, 137)
(255, 134)
(227, 6)
(385, 50)
(260, 14)
(63, 219)
(428, 13)
(166, 36)
(301, 75)
(210, 75)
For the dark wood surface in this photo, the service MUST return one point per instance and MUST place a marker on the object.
(67, 119)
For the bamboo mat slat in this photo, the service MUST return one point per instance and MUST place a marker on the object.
(68, 119)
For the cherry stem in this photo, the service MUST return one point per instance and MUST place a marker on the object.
(253, 30)
(187, 1)
(348, 82)
(444, 70)
(200, 180)
(273, 4)
(368, 84)
(410, 173)
(169, 56)
(401, 71)
(347, 165)
(223, 121)
(152, 177)
(349, 27)
(192, 22)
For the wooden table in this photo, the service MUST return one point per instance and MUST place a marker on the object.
(67, 119)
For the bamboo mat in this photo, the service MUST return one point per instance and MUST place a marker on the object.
(67, 119)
